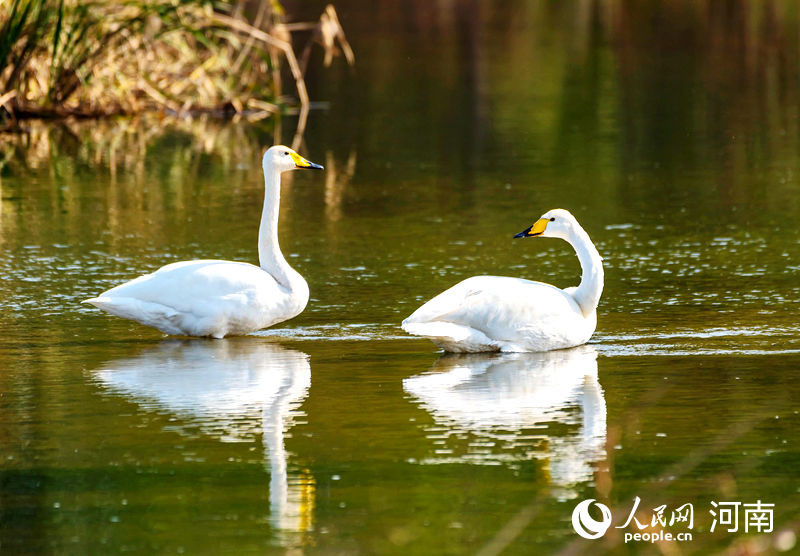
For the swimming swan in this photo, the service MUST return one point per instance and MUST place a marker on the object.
(494, 313)
(221, 298)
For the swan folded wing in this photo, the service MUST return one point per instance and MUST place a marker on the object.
(203, 298)
(501, 308)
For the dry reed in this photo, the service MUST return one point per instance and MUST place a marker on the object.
(76, 58)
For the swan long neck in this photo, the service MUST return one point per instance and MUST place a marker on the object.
(270, 257)
(587, 294)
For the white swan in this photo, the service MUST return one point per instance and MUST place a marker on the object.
(494, 313)
(221, 298)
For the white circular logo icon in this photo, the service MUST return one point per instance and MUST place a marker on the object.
(585, 525)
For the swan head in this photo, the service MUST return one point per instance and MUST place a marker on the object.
(553, 223)
(282, 158)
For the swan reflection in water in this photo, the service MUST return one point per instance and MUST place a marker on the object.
(496, 408)
(235, 390)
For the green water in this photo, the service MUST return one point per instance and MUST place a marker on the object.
(673, 142)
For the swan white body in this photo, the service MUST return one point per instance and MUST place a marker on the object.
(496, 313)
(221, 298)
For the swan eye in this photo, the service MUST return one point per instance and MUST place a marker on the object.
(285, 153)
(553, 219)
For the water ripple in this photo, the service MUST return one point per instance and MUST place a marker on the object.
(759, 340)
(736, 340)
(337, 332)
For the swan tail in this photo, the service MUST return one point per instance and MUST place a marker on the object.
(451, 337)
(454, 332)
(148, 313)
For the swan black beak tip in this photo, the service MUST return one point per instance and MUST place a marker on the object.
(524, 233)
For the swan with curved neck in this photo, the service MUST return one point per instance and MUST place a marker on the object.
(221, 298)
(496, 313)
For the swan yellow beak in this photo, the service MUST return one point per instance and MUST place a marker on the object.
(536, 230)
(301, 162)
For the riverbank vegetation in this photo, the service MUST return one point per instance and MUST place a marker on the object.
(77, 58)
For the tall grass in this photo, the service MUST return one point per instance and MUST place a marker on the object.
(88, 58)
(23, 24)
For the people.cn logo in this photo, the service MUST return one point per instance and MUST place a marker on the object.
(587, 526)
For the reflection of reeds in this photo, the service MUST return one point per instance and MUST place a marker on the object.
(65, 57)
(123, 144)
(337, 179)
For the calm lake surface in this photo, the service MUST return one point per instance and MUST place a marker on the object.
(670, 131)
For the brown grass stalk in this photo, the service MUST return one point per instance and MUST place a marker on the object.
(73, 58)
